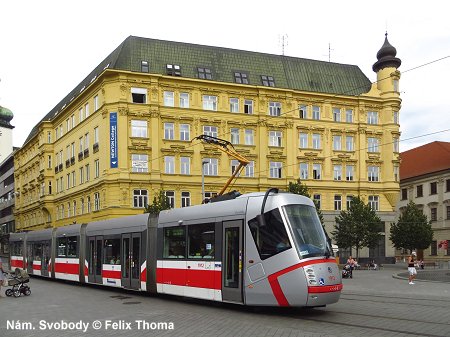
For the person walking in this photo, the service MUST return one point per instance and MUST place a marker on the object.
(351, 264)
(411, 269)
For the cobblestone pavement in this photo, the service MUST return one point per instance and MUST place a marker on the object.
(373, 303)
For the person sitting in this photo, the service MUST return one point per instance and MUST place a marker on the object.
(373, 265)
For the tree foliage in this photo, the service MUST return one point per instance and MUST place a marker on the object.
(413, 230)
(301, 189)
(160, 203)
(357, 227)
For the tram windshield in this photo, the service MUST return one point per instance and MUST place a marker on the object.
(308, 233)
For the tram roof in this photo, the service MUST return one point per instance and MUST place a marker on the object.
(45, 234)
(126, 224)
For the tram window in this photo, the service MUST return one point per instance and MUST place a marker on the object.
(174, 243)
(112, 251)
(37, 251)
(201, 241)
(72, 246)
(16, 249)
(272, 238)
(62, 247)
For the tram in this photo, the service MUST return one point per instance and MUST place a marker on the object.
(257, 249)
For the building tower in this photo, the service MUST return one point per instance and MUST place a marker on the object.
(6, 146)
(386, 68)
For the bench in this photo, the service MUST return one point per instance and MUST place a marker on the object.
(430, 264)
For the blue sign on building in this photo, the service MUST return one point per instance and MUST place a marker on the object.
(113, 139)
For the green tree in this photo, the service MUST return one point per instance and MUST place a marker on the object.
(357, 227)
(301, 189)
(160, 203)
(413, 230)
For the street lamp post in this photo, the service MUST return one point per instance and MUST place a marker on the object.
(203, 179)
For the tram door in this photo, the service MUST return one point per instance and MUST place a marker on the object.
(45, 258)
(95, 259)
(232, 261)
(131, 260)
(29, 264)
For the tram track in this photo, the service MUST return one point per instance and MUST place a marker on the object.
(393, 302)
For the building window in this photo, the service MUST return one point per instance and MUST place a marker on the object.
(275, 169)
(448, 212)
(316, 141)
(96, 105)
(169, 98)
(396, 145)
(267, 81)
(81, 115)
(349, 116)
(304, 171)
(349, 172)
(185, 199)
(337, 202)
(169, 164)
(74, 208)
(88, 204)
(139, 163)
(204, 73)
(374, 202)
(302, 112)
(433, 188)
(317, 171)
(81, 206)
(184, 100)
(336, 114)
(96, 201)
(86, 110)
(396, 119)
(210, 130)
(185, 132)
(49, 137)
(81, 172)
(88, 172)
(249, 136)
(234, 165)
(396, 173)
(274, 108)
(248, 106)
(303, 137)
(317, 201)
(396, 86)
(349, 143)
(337, 143)
(275, 138)
(209, 102)
(173, 69)
(373, 173)
(140, 198)
(144, 67)
(241, 78)
(447, 185)
(139, 95)
(433, 248)
(210, 169)
(372, 117)
(250, 169)
(170, 196)
(349, 199)
(185, 165)
(404, 194)
(337, 172)
(419, 191)
(49, 162)
(234, 104)
(169, 131)
(234, 134)
(97, 168)
(138, 129)
(433, 214)
(316, 112)
(372, 144)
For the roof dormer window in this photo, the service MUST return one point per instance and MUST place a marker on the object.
(144, 67)
(267, 81)
(173, 70)
(204, 73)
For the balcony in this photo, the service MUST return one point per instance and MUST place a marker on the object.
(86, 153)
(67, 163)
(80, 156)
(72, 161)
(60, 167)
(95, 148)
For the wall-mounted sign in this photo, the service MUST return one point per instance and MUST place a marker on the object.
(113, 139)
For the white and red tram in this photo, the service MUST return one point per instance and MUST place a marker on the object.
(266, 249)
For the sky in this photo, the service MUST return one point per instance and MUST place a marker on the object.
(47, 47)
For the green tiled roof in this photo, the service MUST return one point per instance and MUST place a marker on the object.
(288, 72)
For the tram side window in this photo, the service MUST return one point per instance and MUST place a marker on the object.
(272, 238)
(201, 241)
(67, 246)
(174, 243)
(16, 249)
(112, 251)
(37, 251)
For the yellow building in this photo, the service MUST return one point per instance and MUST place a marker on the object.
(125, 132)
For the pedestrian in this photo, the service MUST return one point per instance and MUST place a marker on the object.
(1, 276)
(351, 264)
(411, 269)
